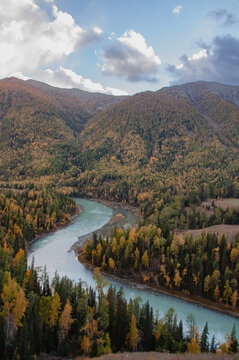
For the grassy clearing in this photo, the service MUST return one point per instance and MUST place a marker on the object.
(222, 203)
(229, 230)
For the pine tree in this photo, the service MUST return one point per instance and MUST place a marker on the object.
(213, 347)
(204, 344)
(104, 313)
(179, 331)
(29, 339)
(121, 320)
(146, 326)
(234, 343)
(111, 297)
(45, 283)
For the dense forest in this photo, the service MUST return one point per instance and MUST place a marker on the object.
(206, 266)
(69, 318)
(155, 146)
(164, 152)
(180, 141)
(40, 129)
(25, 214)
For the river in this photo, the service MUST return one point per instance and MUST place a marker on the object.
(53, 252)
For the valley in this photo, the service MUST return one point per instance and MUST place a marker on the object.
(166, 164)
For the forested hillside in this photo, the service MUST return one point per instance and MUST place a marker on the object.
(163, 141)
(40, 128)
(164, 152)
(182, 140)
(69, 318)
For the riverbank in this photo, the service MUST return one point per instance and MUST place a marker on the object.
(78, 212)
(123, 216)
(52, 251)
(119, 219)
(196, 300)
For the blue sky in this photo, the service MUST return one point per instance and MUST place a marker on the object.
(119, 47)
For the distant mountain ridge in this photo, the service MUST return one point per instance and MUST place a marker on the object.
(92, 102)
(40, 126)
(197, 89)
(179, 137)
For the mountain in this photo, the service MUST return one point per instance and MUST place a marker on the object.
(196, 90)
(214, 102)
(91, 102)
(177, 139)
(40, 127)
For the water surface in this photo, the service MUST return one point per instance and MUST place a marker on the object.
(53, 251)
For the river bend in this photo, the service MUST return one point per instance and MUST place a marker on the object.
(52, 251)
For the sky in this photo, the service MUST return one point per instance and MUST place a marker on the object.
(120, 46)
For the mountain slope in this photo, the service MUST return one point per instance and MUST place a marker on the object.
(176, 139)
(40, 127)
(91, 102)
(216, 102)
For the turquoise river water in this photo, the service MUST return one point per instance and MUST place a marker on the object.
(53, 251)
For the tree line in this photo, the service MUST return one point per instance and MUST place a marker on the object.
(70, 318)
(206, 266)
(25, 214)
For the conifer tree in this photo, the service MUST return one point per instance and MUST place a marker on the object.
(233, 348)
(121, 320)
(213, 347)
(111, 297)
(204, 344)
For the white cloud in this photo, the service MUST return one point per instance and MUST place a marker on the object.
(199, 55)
(30, 40)
(130, 56)
(68, 79)
(177, 9)
(218, 61)
(203, 53)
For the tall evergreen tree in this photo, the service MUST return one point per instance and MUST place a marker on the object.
(111, 297)
(146, 325)
(121, 320)
(234, 343)
(204, 343)
(213, 346)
